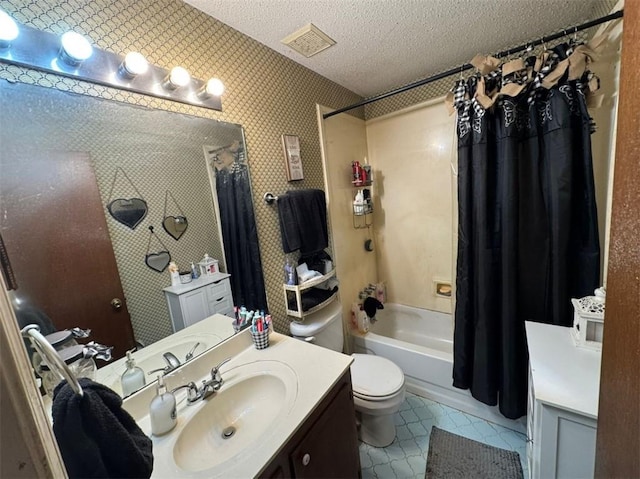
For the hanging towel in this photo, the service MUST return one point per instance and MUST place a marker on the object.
(303, 221)
(96, 436)
(371, 305)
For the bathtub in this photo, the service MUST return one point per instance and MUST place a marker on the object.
(420, 342)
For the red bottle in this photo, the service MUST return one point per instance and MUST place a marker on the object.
(357, 173)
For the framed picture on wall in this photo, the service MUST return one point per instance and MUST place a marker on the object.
(293, 162)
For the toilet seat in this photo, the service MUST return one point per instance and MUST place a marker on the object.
(375, 378)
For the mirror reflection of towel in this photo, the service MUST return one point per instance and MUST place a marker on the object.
(96, 436)
(303, 221)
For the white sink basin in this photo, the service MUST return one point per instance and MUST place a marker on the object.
(253, 397)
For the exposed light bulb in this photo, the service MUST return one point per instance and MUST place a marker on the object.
(134, 64)
(8, 29)
(178, 77)
(214, 87)
(75, 48)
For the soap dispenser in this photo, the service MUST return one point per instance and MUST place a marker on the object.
(133, 377)
(162, 410)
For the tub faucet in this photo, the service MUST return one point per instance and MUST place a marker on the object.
(172, 363)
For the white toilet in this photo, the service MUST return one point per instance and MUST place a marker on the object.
(378, 384)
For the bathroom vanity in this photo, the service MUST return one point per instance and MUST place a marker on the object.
(313, 451)
(564, 383)
(284, 411)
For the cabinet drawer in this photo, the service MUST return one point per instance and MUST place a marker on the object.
(217, 290)
(221, 305)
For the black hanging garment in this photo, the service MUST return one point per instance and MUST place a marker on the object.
(527, 231)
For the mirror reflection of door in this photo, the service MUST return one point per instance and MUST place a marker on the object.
(56, 237)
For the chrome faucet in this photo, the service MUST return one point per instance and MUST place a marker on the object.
(172, 363)
(190, 353)
(208, 388)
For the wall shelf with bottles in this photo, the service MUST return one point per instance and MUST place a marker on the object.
(362, 181)
(296, 290)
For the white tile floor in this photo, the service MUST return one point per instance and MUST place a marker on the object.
(406, 457)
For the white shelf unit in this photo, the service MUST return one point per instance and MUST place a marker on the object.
(299, 288)
(192, 302)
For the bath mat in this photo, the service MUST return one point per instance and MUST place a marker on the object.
(455, 457)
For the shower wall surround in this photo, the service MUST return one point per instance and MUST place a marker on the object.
(266, 92)
(414, 151)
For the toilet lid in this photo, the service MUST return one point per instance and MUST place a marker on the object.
(375, 376)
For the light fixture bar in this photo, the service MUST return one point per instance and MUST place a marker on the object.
(40, 50)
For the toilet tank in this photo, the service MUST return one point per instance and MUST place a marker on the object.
(325, 325)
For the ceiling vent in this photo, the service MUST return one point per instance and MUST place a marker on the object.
(309, 40)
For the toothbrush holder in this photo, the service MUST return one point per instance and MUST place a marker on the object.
(260, 338)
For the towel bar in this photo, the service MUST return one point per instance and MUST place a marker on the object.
(50, 356)
(270, 198)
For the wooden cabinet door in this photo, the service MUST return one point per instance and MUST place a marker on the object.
(55, 231)
(330, 448)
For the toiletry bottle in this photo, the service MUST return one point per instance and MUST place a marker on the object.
(358, 203)
(363, 321)
(381, 293)
(289, 271)
(133, 377)
(162, 410)
(175, 275)
(367, 172)
(195, 274)
(355, 167)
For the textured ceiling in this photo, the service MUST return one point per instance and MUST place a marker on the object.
(383, 44)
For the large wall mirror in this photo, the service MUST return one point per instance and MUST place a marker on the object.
(65, 157)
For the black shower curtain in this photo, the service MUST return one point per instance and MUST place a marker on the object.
(240, 236)
(527, 232)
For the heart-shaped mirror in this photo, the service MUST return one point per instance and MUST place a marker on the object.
(128, 212)
(175, 226)
(158, 261)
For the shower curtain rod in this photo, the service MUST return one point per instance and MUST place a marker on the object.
(467, 66)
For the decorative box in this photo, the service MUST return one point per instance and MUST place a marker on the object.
(208, 266)
(588, 320)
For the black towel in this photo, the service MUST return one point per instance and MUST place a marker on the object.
(303, 221)
(371, 305)
(97, 438)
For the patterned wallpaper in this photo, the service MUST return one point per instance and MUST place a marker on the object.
(267, 93)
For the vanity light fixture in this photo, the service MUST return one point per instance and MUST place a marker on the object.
(72, 55)
(134, 64)
(8, 30)
(178, 77)
(213, 87)
(75, 48)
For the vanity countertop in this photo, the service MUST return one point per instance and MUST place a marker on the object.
(208, 332)
(316, 371)
(564, 375)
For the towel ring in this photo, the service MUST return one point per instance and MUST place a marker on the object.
(50, 356)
